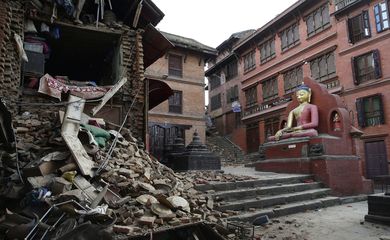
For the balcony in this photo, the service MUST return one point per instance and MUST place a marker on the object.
(261, 107)
(341, 6)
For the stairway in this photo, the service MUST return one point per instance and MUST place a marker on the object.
(273, 196)
(225, 149)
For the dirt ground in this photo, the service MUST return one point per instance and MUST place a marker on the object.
(334, 223)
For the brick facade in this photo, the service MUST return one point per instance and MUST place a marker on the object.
(331, 38)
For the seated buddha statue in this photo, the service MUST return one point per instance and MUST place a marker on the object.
(305, 116)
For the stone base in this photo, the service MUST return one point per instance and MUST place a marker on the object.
(340, 173)
(195, 163)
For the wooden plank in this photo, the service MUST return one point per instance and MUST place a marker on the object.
(109, 95)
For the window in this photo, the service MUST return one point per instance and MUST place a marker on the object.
(249, 61)
(215, 81)
(267, 50)
(251, 96)
(366, 67)
(359, 27)
(175, 65)
(215, 102)
(292, 79)
(271, 126)
(318, 20)
(270, 89)
(290, 36)
(231, 70)
(323, 67)
(232, 94)
(370, 111)
(381, 17)
(176, 102)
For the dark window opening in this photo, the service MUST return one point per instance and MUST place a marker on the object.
(370, 111)
(72, 54)
(232, 94)
(270, 89)
(366, 67)
(271, 126)
(251, 97)
(359, 27)
(175, 65)
(290, 36)
(176, 102)
(231, 70)
(215, 102)
(215, 81)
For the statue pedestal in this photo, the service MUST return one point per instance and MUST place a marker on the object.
(327, 157)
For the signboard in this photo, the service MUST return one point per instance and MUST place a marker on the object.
(236, 107)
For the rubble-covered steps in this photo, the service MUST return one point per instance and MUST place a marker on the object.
(274, 197)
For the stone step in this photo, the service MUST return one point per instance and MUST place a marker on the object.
(245, 193)
(287, 209)
(225, 186)
(268, 201)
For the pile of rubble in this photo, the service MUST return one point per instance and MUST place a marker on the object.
(130, 193)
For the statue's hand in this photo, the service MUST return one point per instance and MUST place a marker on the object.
(279, 134)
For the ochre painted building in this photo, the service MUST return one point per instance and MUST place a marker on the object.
(341, 44)
(182, 69)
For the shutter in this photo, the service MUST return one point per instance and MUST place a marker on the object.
(382, 117)
(360, 112)
(355, 80)
(377, 64)
(366, 24)
(350, 29)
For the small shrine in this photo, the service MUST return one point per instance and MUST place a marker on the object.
(316, 137)
(195, 156)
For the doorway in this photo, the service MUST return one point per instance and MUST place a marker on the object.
(376, 159)
(252, 137)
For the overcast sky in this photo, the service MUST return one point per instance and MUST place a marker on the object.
(213, 21)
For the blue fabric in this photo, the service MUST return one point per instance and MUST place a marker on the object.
(67, 5)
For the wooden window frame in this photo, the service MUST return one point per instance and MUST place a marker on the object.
(381, 24)
(215, 102)
(330, 67)
(292, 79)
(215, 81)
(267, 50)
(251, 96)
(270, 88)
(175, 102)
(324, 23)
(284, 35)
(231, 70)
(249, 61)
(173, 69)
(374, 73)
(373, 117)
(359, 27)
(232, 94)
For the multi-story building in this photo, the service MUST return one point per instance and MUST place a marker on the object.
(342, 44)
(182, 69)
(224, 84)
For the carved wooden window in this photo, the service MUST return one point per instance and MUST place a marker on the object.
(292, 79)
(175, 65)
(323, 67)
(270, 89)
(366, 67)
(251, 96)
(249, 61)
(290, 36)
(176, 102)
(370, 111)
(231, 70)
(267, 50)
(318, 20)
(271, 126)
(215, 102)
(381, 16)
(359, 27)
(215, 81)
(232, 94)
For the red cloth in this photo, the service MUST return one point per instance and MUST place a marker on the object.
(54, 87)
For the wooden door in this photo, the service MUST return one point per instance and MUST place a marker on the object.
(252, 137)
(376, 159)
